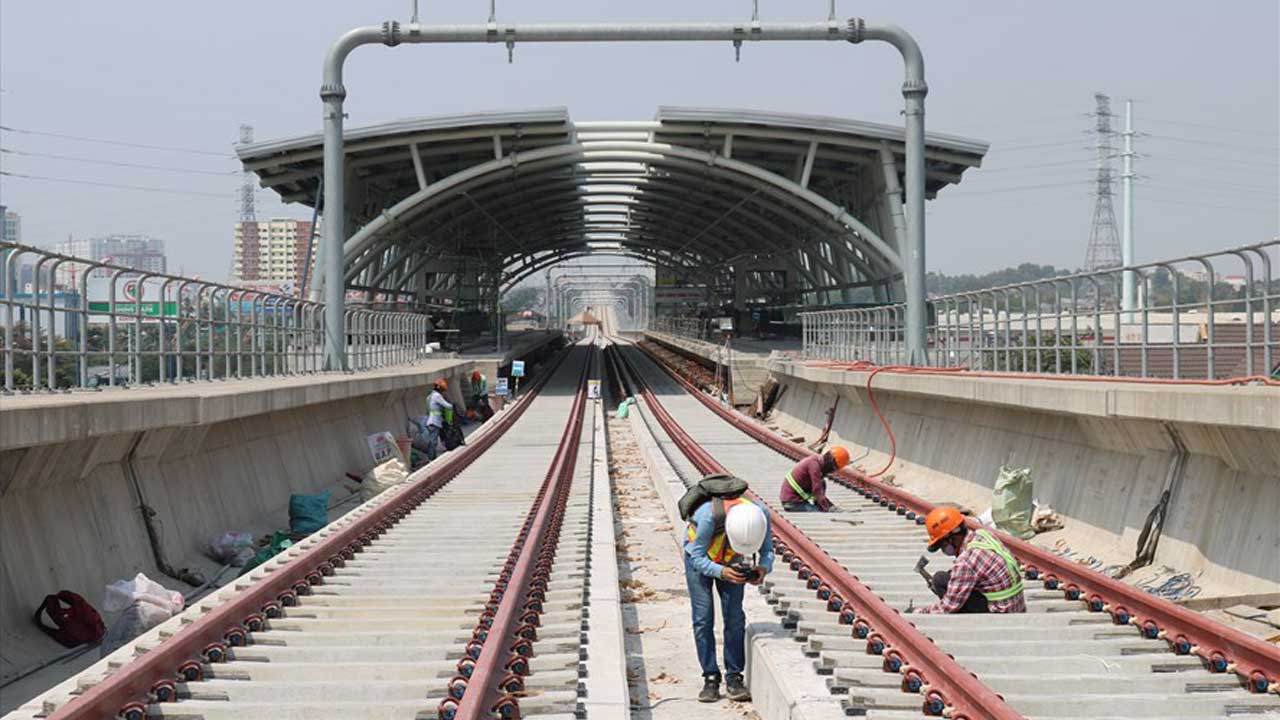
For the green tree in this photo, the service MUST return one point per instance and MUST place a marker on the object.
(522, 298)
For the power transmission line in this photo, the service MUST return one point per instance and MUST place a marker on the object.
(1270, 211)
(1211, 143)
(1218, 128)
(117, 186)
(1020, 188)
(114, 163)
(120, 143)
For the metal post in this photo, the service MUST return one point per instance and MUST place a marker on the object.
(390, 33)
(1129, 293)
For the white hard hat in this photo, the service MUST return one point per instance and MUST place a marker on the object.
(744, 525)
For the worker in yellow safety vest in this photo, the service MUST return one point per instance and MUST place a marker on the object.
(727, 545)
(804, 489)
(985, 577)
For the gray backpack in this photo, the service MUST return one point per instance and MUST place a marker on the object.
(713, 488)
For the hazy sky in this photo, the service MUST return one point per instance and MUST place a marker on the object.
(1205, 78)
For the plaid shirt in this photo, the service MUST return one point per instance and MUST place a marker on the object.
(977, 569)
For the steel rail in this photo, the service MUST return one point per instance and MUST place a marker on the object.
(948, 688)
(152, 677)
(1223, 648)
(496, 676)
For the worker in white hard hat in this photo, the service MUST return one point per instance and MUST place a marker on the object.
(727, 545)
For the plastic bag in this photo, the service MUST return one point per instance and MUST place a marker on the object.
(624, 408)
(1012, 502)
(123, 593)
(382, 478)
(138, 618)
(232, 548)
(276, 544)
(309, 513)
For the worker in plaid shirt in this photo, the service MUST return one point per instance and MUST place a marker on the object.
(982, 564)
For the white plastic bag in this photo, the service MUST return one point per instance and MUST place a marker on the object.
(123, 593)
(136, 619)
(232, 548)
(382, 478)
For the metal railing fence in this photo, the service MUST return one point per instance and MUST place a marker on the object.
(1204, 317)
(78, 323)
(691, 328)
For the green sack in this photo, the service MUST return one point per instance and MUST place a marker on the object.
(277, 544)
(624, 408)
(1011, 502)
(308, 513)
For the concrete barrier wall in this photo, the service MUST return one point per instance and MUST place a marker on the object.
(1100, 453)
(69, 510)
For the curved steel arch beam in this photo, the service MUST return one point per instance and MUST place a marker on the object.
(569, 193)
(643, 152)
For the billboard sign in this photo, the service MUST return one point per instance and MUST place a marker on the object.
(679, 294)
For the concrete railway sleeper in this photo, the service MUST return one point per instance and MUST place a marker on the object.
(1066, 657)
(470, 605)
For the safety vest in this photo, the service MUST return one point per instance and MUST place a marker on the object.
(806, 495)
(439, 411)
(986, 541)
(718, 550)
(482, 386)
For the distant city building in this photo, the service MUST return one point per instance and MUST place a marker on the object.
(139, 252)
(12, 231)
(273, 250)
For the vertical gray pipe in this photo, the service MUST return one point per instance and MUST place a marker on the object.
(914, 90)
(333, 235)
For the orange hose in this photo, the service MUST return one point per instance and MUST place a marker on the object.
(873, 370)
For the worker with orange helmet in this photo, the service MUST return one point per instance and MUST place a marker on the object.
(480, 395)
(439, 411)
(805, 487)
(983, 564)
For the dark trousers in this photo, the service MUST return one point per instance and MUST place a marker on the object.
(801, 507)
(976, 602)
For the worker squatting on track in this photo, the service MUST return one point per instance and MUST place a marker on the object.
(727, 545)
(805, 488)
(982, 564)
(480, 396)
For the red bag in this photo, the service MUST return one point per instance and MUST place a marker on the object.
(76, 620)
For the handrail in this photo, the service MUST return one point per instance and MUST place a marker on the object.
(1074, 324)
(158, 328)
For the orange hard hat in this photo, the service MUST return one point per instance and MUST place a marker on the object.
(442, 384)
(475, 375)
(840, 455)
(941, 522)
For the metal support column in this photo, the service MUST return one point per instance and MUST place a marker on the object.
(855, 31)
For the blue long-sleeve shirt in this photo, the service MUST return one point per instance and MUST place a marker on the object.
(697, 549)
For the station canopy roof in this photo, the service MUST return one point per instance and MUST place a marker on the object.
(696, 190)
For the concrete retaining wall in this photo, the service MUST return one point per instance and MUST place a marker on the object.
(209, 458)
(1100, 454)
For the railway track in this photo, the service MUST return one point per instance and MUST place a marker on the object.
(463, 596)
(1063, 658)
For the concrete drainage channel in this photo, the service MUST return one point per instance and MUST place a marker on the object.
(470, 604)
(1058, 660)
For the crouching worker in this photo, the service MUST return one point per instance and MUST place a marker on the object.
(805, 488)
(726, 546)
(985, 577)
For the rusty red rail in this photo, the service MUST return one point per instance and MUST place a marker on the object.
(152, 677)
(491, 674)
(1223, 648)
(948, 687)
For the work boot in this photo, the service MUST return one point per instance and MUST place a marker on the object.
(735, 689)
(710, 688)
